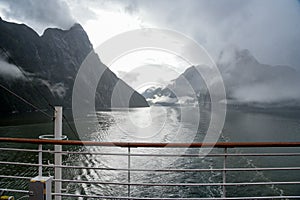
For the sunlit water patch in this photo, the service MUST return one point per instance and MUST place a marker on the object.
(165, 124)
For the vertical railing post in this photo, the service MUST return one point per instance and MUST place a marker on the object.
(58, 149)
(224, 173)
(128, 166)
(40, 160)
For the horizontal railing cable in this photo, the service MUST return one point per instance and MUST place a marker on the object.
(162, 184)
(152, 154)
(147, 198)
(152, 170)
(13, 190)
(181, 184)
(135, 145)
(15, 177)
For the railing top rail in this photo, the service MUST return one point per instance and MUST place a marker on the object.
(159, 145)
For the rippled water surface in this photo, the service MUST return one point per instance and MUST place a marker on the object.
(164, 124)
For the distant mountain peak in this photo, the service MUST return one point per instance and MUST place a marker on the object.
(246, 80)
(75, 28)
(52, 61)
(233, 57)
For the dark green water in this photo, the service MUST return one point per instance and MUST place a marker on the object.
(164, 124)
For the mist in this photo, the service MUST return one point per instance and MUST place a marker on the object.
(39, 14)
(269, 29)
(249, 81)
(10, 71)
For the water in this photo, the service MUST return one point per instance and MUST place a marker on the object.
(165, 124)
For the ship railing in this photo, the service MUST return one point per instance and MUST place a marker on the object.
(224, 169)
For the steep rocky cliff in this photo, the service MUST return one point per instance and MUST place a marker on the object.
(43, 68)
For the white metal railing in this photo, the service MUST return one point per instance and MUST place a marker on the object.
(129, 169)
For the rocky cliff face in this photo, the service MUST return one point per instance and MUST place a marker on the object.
(33, 66)
(247, 82)
(250, 82)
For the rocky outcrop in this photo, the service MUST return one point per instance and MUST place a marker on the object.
(48, 65)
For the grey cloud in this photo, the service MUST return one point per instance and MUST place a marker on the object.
(128, 77)
(82, 10)
(132, 8)
(247, 80)
(9, 71)
(58, 89)
(270, 28)
(39, 14)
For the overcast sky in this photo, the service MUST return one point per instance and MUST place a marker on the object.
(270, 29)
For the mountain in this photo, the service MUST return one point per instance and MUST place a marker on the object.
(247, 82)
(187, 88)
(42, 69)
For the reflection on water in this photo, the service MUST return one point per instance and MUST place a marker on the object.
(167, 124)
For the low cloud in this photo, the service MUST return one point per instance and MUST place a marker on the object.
(249, 81)
(10, 71)
(128, 77)
(162, 100)
(57, 89)
(246, 80)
